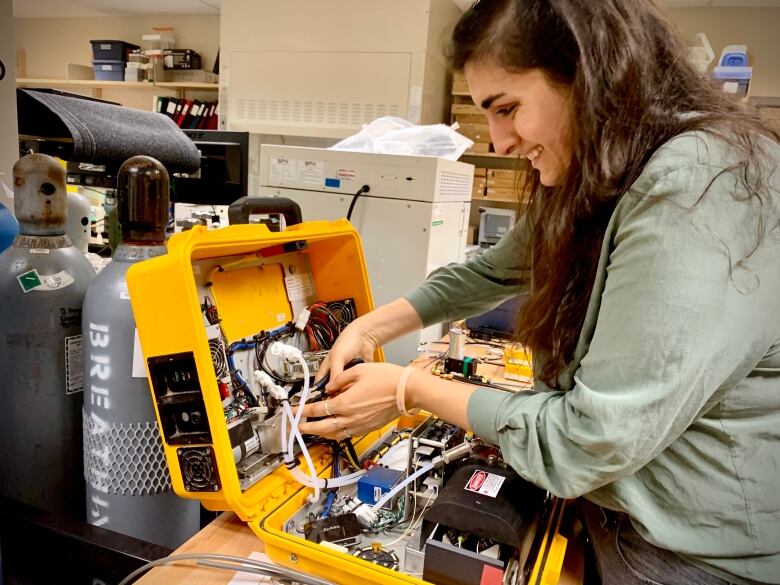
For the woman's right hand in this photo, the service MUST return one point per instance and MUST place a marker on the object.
(362, 337)
(356, 341)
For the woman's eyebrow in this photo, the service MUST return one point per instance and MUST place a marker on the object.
(488, 101)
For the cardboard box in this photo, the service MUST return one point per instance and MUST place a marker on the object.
(502, 174)
(469, 109)
(502, 194)
(480, 147)
(475, 132)
(459, 83)
(504, 184)
(467, 119)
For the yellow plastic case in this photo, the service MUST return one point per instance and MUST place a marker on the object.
(165, 293)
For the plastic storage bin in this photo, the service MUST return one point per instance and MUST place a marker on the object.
(733, 80)
(112, 50)
(160, 39)
(109, 70)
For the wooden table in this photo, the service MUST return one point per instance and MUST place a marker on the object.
(229, 535)
(226, 535)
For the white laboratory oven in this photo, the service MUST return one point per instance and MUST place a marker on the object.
(413, 220)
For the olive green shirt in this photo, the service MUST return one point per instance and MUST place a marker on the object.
(672, 406)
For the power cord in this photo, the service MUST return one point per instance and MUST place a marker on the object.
(230, 563)
(363, 189)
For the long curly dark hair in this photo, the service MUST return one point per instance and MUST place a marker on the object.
(630, 82)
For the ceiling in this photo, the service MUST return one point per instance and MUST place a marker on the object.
(81, 8)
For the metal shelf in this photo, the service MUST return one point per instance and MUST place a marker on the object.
(92, 83)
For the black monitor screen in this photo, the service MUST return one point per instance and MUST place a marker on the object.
(223, 169)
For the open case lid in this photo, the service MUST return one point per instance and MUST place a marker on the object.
(171, 325)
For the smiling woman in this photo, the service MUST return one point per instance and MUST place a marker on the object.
(654, 312)
(527, 115)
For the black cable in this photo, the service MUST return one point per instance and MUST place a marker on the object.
(363, 189)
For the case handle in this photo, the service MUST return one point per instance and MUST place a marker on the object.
(241, 209)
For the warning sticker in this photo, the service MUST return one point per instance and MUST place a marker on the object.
(282, 171)
(56, 281)
(311, 172)
(487, 484)
(39, 250)
(299, 287)
(74, 364)
(286, 172)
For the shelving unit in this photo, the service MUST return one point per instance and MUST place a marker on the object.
(471, 153)
(496, 175)
(97, 86)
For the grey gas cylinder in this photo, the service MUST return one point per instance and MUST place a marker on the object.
(43, 280)
(128, 483)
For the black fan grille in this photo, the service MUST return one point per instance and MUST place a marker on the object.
(198, 469)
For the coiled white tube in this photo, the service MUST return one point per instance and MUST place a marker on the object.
(312, 480)
(288, 441)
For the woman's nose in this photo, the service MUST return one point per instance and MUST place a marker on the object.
(504, 136)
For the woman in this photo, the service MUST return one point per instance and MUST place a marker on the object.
(654, 314)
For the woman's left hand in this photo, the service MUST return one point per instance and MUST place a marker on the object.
(362, 400)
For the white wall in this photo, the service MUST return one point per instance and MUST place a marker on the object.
(758, 28)
(9, 145)
(50, 43)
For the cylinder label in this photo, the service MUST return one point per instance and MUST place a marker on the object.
(74, 364)
(31, 280)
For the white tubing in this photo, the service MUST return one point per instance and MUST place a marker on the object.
(386, 498)
(302, 401)
(288, 442)
(313, 481)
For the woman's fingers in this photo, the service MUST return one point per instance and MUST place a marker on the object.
(345, 379)
(330, 427)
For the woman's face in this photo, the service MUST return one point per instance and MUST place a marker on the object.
(528, 116)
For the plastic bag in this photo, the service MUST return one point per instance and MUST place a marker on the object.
(390, 135)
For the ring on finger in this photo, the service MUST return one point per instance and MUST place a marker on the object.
(335, 421)
(327, 410)
(347, 435)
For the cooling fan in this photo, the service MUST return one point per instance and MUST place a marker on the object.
(198, 469)
(219, 358)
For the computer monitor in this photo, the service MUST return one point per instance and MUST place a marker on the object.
(494, 223)
(224, 169)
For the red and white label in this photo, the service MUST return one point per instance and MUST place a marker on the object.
(487, 484)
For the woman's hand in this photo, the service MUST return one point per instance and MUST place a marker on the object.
(365, 401)
(365, 335)
(354, 342)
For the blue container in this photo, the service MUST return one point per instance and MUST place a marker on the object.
(112, 50)
(733, 80)
(109, 70)
(9, 227)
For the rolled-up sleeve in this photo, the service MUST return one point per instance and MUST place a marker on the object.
(481, 283)
(680, 319)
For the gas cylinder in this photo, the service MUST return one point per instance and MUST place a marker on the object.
(9, 227)
(77, 225)
(43, 279)
(128, 485)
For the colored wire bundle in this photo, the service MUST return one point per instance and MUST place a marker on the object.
(326, 322)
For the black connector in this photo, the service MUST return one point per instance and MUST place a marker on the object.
(466, 367)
